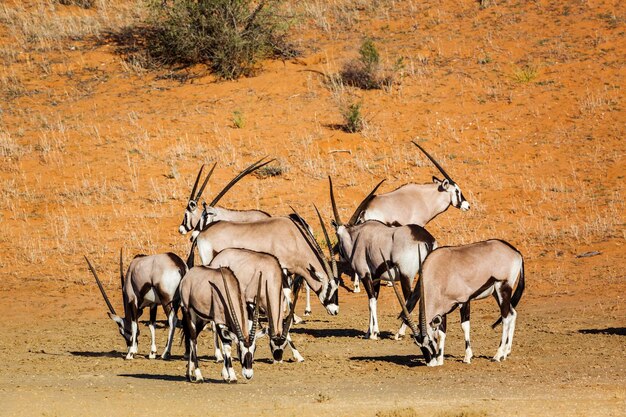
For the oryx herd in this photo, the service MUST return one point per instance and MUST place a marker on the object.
(253, 265)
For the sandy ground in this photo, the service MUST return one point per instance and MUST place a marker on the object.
(522, 102)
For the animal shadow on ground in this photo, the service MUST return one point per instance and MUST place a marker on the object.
(162, 377)
(327, 332)
(87, 354)
(615, 331)
(114, 354)
(406, 360)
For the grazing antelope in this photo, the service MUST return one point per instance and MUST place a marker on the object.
(455, 275)
(214, 295)
(213, 213)
(289, 239)
(149, 281)
(413, 203)
(365, 246)
(249, 267)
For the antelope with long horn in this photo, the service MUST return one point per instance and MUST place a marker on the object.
(214, 295)
(452, 276)
(289, 239)
(249, 266)
(366, 246)
(149, 282)
(413, 203)
(211, 211)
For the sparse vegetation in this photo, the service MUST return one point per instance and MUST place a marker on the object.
(525, 74)
(366, 72)
(353, 119)
(229, 36)
(238, 120)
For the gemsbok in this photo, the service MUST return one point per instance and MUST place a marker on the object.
(214, 213)
(365, 247)
(452, 276)
(249, 267)
(289, 239)
(413, 203)
(214, 295)
(149, 282)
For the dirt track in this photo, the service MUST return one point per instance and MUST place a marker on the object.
(569, 358)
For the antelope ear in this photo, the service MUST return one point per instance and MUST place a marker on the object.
(192, 204)
(263, 332)
(204, 205)
(436, 321)
(116, 318)
(436, 180)
(445, 184)
(334, 224)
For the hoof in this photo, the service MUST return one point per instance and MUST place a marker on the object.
(467, 360)
(307, 312)
(356, 289)
(152, 355)
(297, 319)
(372, 336)
(130, 356)
(398, 336)
(166, 356)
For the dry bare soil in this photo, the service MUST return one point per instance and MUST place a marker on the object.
(522, 102)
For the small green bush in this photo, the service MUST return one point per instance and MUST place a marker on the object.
(366, 72)
(352, 117)
(230, 36)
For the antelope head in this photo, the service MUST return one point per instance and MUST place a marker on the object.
(124, 323)
(192, 213)
(329, 296)
(457, 199)
(247, 345)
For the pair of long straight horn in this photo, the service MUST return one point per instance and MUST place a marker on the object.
(233, 314)
(439, 167)
(253, 167)
(358, 210)
(99, 283)
(289, 319)
(310, 239)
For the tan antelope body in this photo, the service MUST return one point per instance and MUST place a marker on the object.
(214, 295)
(283, 238)
(455, 275)
(414, 203)
(249, 267)
(365, 247)
(149, 282)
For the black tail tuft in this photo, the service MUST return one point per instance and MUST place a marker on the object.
(517, 295)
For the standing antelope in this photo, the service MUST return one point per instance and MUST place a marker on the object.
(150, 281)
(213, 213)
(365, 246)
(454, 275)
(214, 295)
(196, 219)
(288, 239)
(413, 203)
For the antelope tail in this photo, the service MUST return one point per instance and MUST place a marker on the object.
(517, 295)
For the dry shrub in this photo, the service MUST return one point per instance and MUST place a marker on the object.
(366, 72)
(229, 36)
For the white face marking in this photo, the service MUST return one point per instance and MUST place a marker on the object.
(333, 309)
(182, 230)
(465, 206)
(195, 234)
